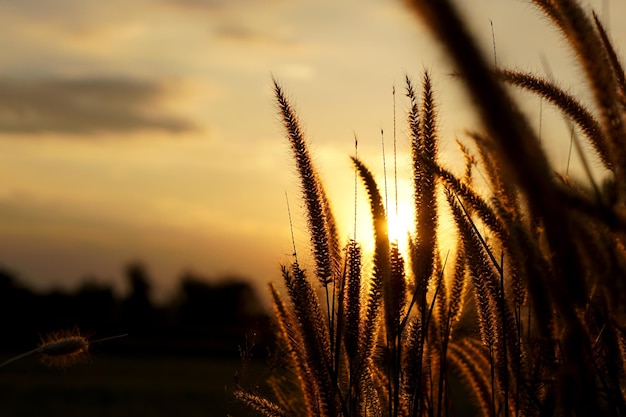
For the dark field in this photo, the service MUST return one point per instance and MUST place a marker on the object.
(122, 386)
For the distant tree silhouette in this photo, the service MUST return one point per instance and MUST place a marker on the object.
(217, 316)
(216, 305)
(98, 305)
(202, 317)
(18, 310)
(137, 307)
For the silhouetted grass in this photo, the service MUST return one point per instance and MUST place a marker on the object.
(529, 314)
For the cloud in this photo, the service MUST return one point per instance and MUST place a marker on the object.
(278, 39)
(198, 4)
(214, 5)
(238, 32)
(85, 106)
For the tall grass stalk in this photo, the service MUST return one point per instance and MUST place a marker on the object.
(530, 311)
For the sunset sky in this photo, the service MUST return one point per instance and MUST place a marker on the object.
(147, 130)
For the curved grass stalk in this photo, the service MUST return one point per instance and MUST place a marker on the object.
(568, 104)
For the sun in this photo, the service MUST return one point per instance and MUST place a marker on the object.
(400, 213)
(400, 223)
(398, 228)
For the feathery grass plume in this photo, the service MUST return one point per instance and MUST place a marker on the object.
(394, 317)
(388, 277)
(423, 148)
(260, 404)
(483, 296)
(397, 291)
(337, 334)
(321, 225)
(423, 245)
(412, 364)
(471, 366)
(568, 104)
(505, 198)
(457, 287)
(290, 339)
(497, 324)
(442, 303)
(315, 336)
(352, 326)
(413, 115)
(550, 9)
(352, 303)
(508, 209)
(422, 345)
(441, 338)
(470, 162)
(618, 69)
(483, 209)
(62, 349)
(582, 35)
(371, 404)
(382, 265)
(332, 233)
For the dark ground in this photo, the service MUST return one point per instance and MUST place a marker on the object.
(178, 359)
(116, 386)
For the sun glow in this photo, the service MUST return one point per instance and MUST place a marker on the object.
(400, 222)
(398, 228)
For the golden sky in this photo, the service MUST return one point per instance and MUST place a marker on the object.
(146, 130)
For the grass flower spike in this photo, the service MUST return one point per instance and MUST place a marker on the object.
(62, 349)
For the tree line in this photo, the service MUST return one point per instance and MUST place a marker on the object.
(201, 318)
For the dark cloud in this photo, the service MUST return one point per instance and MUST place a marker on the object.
(84, 106)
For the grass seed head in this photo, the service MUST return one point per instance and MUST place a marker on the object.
(62, 349)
